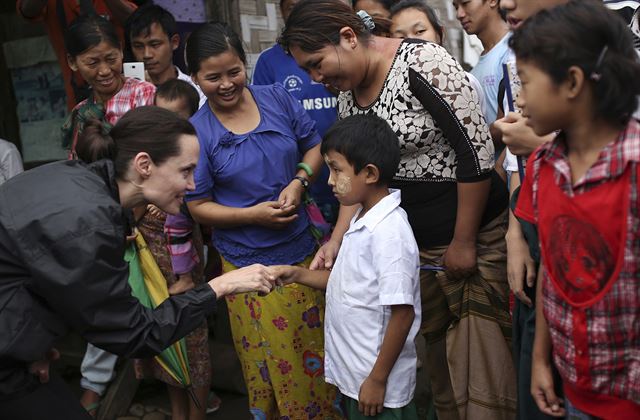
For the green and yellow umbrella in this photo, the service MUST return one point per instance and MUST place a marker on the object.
(149, 286)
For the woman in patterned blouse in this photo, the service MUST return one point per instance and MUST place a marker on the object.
(455, 201)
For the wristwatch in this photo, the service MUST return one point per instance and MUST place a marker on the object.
(303, 181)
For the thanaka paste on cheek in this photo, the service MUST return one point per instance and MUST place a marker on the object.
(343, 184)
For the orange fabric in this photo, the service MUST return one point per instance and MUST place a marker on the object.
(49, 17)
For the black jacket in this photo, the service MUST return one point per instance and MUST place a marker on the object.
(62, 241)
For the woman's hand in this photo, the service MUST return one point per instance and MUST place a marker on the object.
(270, 214)
(254, 278)
(460, 259)
(542, 389)
(520, 266)
(291, 197)
(132, 238)
(325, 256)
(40, 368)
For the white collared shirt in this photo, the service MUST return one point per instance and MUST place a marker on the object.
(189, 80)
(378, 266)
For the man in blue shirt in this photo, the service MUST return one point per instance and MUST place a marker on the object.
(483, 18)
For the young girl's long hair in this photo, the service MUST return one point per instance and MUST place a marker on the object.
(586, 34)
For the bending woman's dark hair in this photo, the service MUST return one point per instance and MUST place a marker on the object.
(149, 129)
(588, 35)
(86, 32)
(209, 40)
(313, 24)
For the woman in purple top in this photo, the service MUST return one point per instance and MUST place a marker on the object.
(249, 186)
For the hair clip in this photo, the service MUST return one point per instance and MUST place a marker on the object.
(366, 19)
(596, 74)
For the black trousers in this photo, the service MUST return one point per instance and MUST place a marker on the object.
(51, 401)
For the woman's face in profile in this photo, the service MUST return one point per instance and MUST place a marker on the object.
(335, 66)
(167, 183)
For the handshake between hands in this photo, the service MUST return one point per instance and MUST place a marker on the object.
(254, 278)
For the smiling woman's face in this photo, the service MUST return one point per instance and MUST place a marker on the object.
(101, 67)
(167, 183)
(222, 79)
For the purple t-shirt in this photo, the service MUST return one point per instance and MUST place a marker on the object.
(242, 170)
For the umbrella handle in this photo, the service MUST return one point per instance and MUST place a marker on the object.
(193, 396)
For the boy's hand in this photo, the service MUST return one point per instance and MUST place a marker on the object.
(542, 389)
(325, 256)
(154, 211)
(371, 397)
(284, 274)
(520, 266)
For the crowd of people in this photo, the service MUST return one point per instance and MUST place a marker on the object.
(365, 191)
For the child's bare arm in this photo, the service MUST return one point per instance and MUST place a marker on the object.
(373, 389)
(520, 266)
(542, 386)
(287, 274)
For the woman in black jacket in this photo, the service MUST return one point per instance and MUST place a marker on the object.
(63, 229)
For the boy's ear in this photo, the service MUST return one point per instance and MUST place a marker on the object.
(174, 41)
(575, 82)
(372, 174)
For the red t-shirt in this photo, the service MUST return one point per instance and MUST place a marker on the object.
(590, 245)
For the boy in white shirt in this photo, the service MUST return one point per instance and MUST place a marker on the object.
(373, 291)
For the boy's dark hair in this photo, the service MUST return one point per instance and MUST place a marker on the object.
(364, 140)
(140, 21)
(174, 89)
(209, 40)
(586, 34)
(422, 6)
(87, 31)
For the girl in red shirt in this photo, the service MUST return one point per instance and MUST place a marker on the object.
(579, 75)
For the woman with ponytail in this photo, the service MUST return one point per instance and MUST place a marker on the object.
(64, 224)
